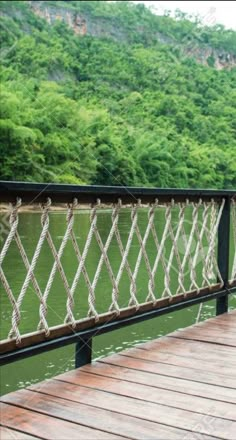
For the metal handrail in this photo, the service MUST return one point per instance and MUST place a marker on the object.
(85, 329)
(60, 193)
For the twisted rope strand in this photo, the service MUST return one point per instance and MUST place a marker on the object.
(188, 278)
(211, 254)
(126, 265)
(57, 265)
(104, 258)
(16, 315)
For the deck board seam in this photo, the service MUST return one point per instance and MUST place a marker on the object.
(122, 413)
(172, 336)
(18, 405)
(173, 353)
(132, 356)
(150, 401)
(126, 396)
(182, 356)
(153, 386)
(168, 375)
(149, 389)
(20, 431)
(203, 341)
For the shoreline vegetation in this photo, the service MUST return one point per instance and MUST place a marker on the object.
(134, 101)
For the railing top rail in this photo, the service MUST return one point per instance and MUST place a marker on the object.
(60, 193)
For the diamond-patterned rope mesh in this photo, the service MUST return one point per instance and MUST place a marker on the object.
(169, 249)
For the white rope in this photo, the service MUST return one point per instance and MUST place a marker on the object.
(33, 279)
(82, 258)
(13, 221)
(189, 275)
(174, 248)
(211, 260)
(134, 218)
(143, 253)
(209, 265)
(188, 257)
(125, 263)
(151, 227)
(187, 254)
(161, 246)
(16, 314)
(57, 265)
(199, 251)
(83, 270)
(104, 258)
(199, 313)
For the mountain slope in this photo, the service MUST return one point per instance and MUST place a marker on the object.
(129, 104)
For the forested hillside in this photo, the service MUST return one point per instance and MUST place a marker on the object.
(129, 103)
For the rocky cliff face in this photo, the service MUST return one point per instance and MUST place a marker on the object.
(52, 14)
(81, 24)
(97, 27)
(212, 57)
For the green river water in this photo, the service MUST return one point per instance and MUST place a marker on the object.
(23, 373)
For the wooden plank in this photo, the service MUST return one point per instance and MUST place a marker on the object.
(162, 382)
(230, 316)
(113, 422)
(10, 434)
(191, 349)
(227, 318)
(220, 367)
(225, 321)
(218, 331)
(150, 394)
(174, 371)
(219, 324)
(195, 348)
(187, 420)
(46, 427)
(193, 345)
(176, 387)
(205, 336)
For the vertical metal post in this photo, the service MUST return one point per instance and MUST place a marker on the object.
(83, 352)
(223, 254)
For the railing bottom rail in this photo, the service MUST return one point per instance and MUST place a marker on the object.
(36, 343)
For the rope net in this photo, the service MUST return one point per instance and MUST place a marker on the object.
(141, 255)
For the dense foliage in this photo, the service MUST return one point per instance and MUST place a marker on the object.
(129, 110)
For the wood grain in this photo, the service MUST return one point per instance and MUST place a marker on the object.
(156, 413)
(181, 386)
(150, 394)
(46, 427)
(173, 371)
(10, 434)
(212, 365)
(191, 349)
(93, 417)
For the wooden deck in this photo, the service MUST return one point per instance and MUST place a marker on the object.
(182, 386)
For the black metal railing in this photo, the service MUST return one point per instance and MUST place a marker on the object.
(202, 271)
